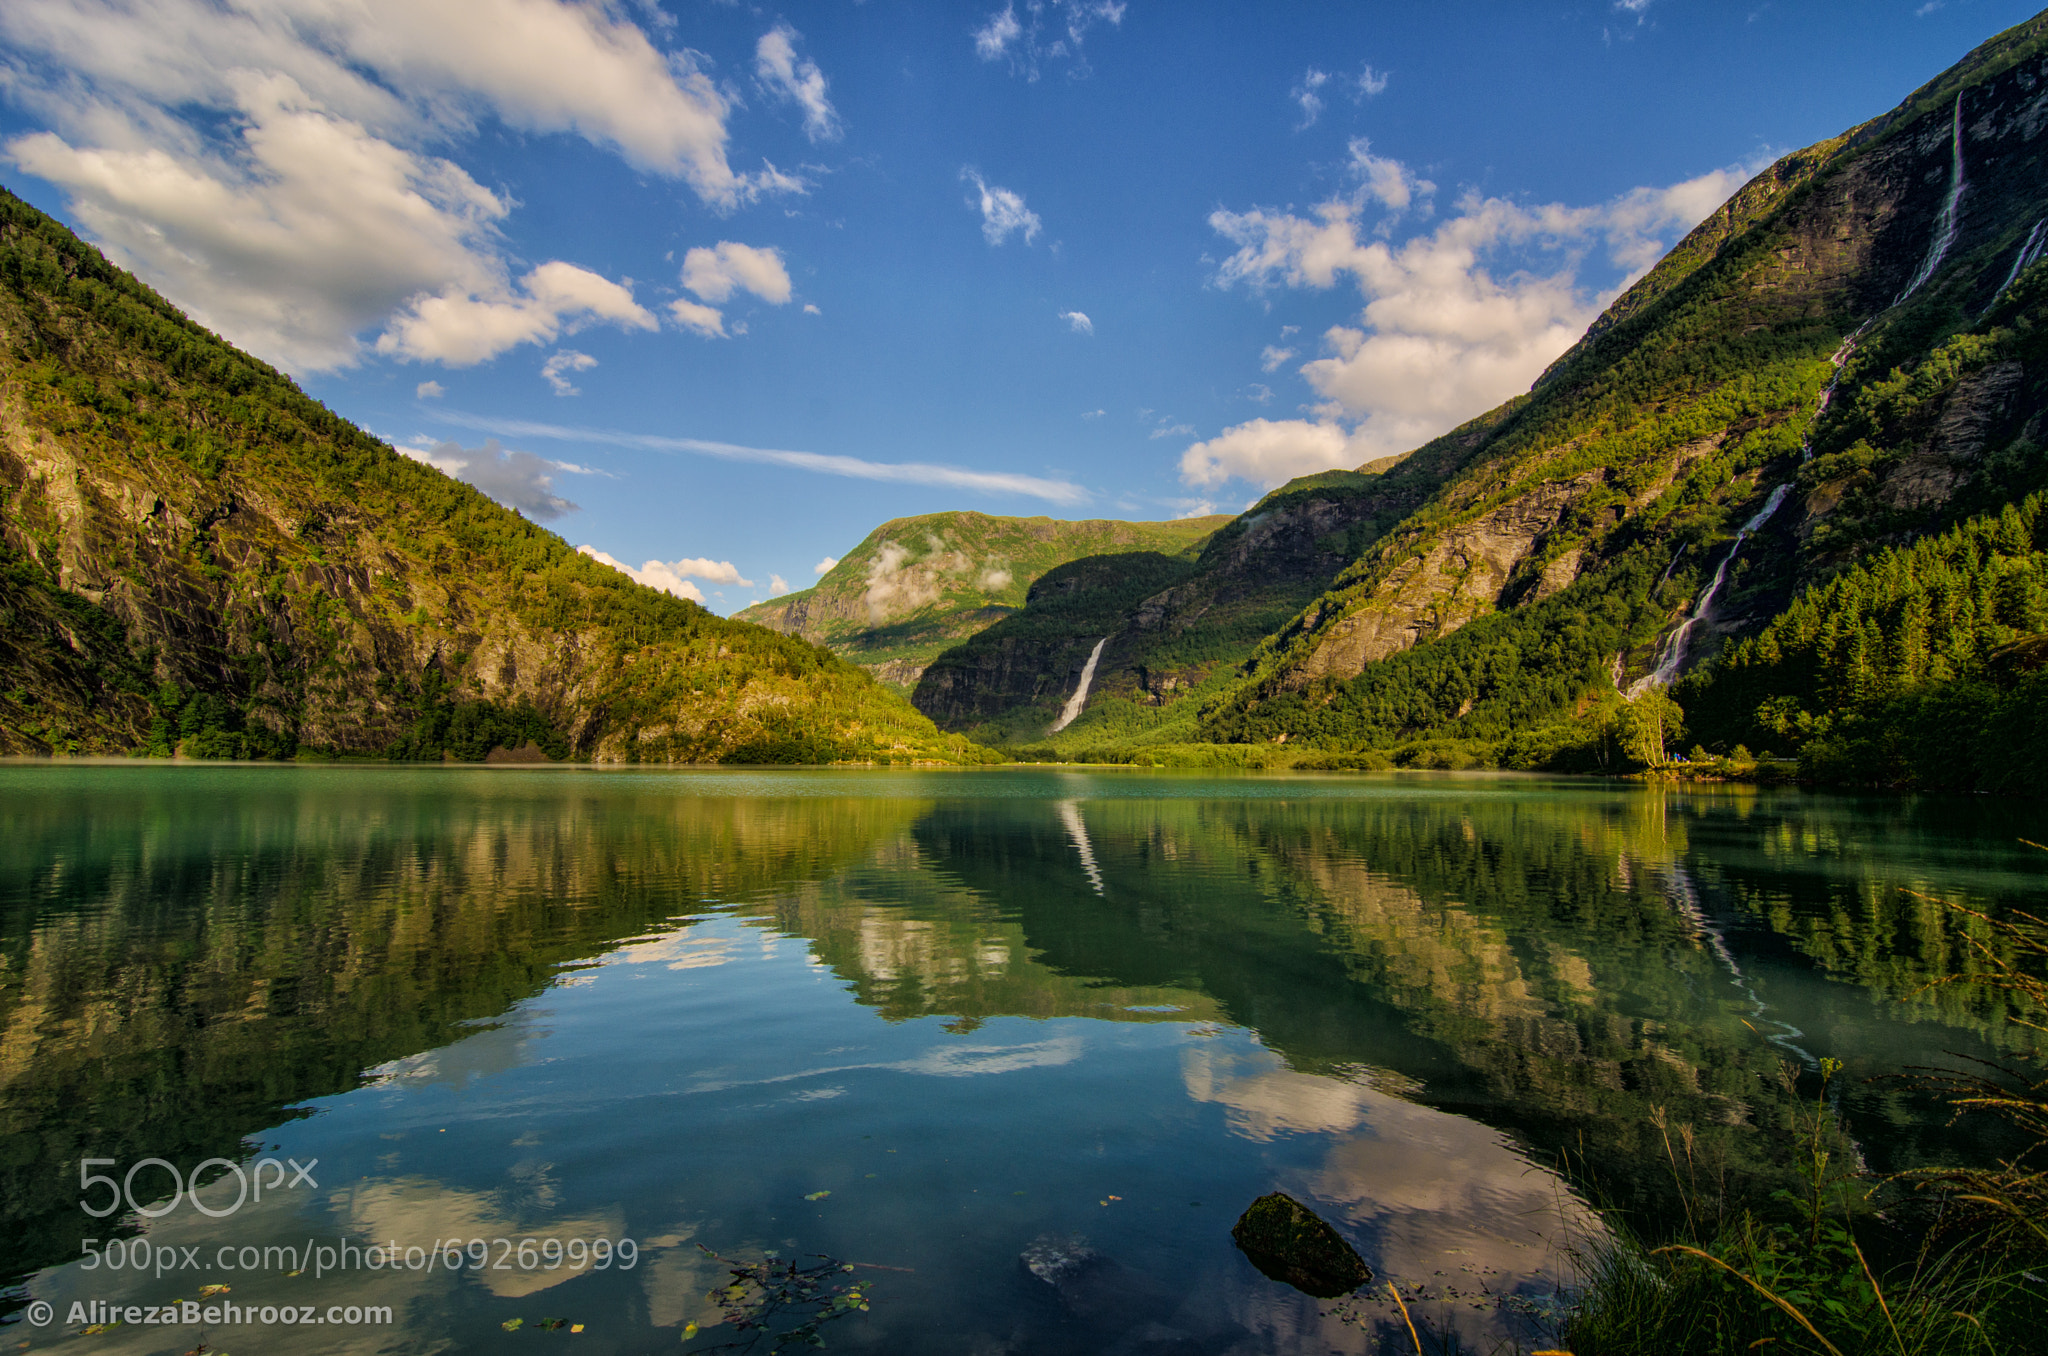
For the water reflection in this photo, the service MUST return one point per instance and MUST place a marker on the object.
(616, 1005)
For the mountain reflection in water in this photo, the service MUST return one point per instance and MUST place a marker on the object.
(572, 1003)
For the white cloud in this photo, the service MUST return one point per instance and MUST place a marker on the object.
(1441, 337)
(715, 274)
(429, 390)
(777, 584)
(796, 80)
(1389, 182)
(266, 164)
(716, 571)
(1368, 83)
(993, 38)
(1308, 95)
(554, 370)
(1171, 431)
(460, 328)
(1002, 211)
(708, 321)
(518, 480)
(810, 309)
(1079, 321)
(1093, 414)
(902, 472)
(1271, 357)
(1259, 393)
(1267, 452)
(653, 574)
(1051, 30)
(822, 566)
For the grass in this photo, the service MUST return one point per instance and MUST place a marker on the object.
(1923, 1263)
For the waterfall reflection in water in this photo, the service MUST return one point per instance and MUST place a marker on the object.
(970, 1009)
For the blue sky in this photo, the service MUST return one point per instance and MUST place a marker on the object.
(715, 289)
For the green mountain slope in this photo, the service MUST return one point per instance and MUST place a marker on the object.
(917, 585)
(1845, 356)
(196, 556)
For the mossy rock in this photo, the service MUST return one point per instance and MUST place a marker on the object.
(1289, 1242)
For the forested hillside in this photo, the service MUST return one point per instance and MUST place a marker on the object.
(1812, 431)
(195, 557)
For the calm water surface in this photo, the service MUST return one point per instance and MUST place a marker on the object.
(921, 1022)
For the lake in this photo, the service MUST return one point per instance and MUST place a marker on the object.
(1017, 1045)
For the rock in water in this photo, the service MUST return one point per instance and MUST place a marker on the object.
(1058, 1258)
(1290, 1242)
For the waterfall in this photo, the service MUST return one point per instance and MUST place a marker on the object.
(1070, 816)
(1944, 225)
(1080, 697)
(2031, 250)
(1703, 612)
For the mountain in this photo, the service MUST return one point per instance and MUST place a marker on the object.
(194, 556)
(1836, 382)
(917, 585)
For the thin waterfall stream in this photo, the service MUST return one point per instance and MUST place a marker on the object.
(1946, 226)
(1080, 697)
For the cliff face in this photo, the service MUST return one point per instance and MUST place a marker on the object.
(1827, 340)
(196, 557)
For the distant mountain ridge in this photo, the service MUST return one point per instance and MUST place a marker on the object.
(917, 585)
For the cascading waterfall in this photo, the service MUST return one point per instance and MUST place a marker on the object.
(1673, 657)
(1703, 612)
(2031, 250)
(1080, 697)
(1946, 224)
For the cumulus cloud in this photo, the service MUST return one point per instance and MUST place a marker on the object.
(904, 472)
(268, 165)
(1272, 356)
(556, 369)
(715, 274)
(429, 390)
(1446, 331)
(1002, 211)
(654, 574)
(777, 584)
(827, 563)
(796, 80)
(810, 309)
(708, 321)
(459, 328)
(1078, 321)
(518, 480)
(1050, 30)
(1368, 83)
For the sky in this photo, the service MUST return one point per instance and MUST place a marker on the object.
(714, 289)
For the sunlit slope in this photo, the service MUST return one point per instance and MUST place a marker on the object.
(1846, 355)
(195, 556)
(917, 585)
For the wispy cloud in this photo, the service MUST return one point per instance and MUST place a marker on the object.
(1002, 211)
(1049, 31)
(903, 472)
(1308, 94)
(796, 80)
(556, 369)
(1078, 321)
